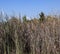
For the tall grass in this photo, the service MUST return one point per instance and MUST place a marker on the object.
(30, 36)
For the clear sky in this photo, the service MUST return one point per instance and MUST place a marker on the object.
(29, 7)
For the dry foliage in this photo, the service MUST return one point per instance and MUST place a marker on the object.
(30, 37)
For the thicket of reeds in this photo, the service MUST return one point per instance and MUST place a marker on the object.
(35, 36)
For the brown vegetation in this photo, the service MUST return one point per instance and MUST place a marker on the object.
(30, 36)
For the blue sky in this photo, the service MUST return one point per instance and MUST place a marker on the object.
(29, 7)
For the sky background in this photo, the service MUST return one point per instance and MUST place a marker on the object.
(30, 8)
